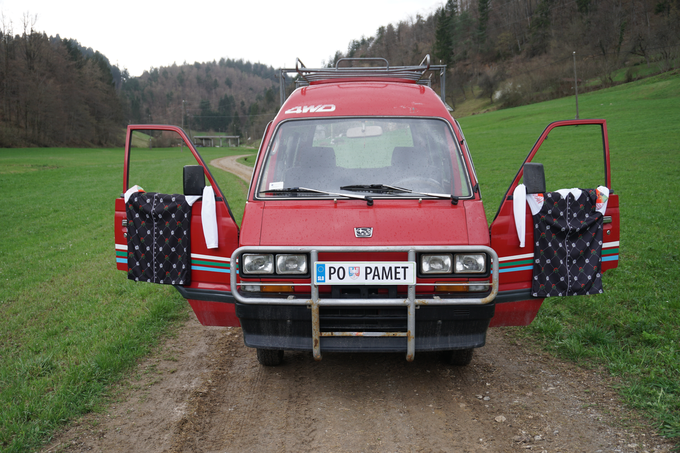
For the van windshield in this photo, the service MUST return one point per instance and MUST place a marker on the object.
(351, 155)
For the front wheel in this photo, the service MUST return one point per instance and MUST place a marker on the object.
(459, 357)
(270, 357)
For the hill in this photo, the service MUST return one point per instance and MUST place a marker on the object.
(230, 96)
(516, 52)
(53, 94)
(57, 92)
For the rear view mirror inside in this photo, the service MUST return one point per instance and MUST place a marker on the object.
(364, 131)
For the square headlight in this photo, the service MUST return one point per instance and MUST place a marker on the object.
(436, 264)
(291, 264)
(470, 263)
(257, 264)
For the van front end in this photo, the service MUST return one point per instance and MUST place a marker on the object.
(367, 299)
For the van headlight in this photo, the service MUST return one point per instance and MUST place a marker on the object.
(262, 264)
(436, 263)
(291, 264)
(257, 264)
(469, 263)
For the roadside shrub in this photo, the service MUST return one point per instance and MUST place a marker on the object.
(510, 94)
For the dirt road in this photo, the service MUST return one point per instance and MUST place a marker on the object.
(204, 391)
(231, 165)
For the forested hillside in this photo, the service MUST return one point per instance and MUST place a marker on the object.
(521, 51)
(52, 94)
(229, 96)
(55, 92)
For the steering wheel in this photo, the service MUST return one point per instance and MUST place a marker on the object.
(419, 184)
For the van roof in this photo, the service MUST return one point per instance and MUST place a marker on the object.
(360, 97)
(359, 77)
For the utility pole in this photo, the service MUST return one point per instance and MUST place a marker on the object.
(575, 84)
(183, 122)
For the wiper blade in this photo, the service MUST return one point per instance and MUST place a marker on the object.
(377, 188)
(368, 200)
(386, 188)
(293, 190)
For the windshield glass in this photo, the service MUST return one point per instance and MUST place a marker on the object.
(343, 155)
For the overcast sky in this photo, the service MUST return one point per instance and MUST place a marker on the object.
(141, 34)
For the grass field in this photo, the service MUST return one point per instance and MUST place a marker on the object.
(633, 330)
(70, 324)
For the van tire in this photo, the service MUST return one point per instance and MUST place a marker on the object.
(270, 357)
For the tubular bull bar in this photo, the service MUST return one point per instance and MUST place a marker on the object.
(410, 302)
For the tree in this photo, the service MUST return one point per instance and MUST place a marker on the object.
(490, 81)
(446, 35)
(483, 21)
(540, 28)
(225, 108)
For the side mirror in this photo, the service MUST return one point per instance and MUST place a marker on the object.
(534, 177)
(194, 180)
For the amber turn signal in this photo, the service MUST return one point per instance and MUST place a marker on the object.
(277, 289)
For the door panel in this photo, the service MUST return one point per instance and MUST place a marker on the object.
(154, 159)
(577, 155)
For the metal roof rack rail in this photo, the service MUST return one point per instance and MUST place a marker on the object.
(306, 76)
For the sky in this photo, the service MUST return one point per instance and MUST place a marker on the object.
(138, 35)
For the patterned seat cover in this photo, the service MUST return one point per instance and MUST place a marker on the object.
(567, 245)
(158, 238)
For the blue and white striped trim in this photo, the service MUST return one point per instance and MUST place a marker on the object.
(517, 263)
(610, 251)
(199, 262)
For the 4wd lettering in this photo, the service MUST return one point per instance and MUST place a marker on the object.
(311, 109)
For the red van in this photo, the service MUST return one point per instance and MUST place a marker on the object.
(364, 228)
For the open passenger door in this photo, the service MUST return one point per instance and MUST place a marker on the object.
(574, 161)
(165, 163)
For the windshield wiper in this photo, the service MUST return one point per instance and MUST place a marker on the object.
(376, 188)
(368, 200)
(386, 188)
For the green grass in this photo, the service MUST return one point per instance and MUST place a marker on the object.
(640, 69)
(70, 323)
(248, 160)
(633, 330)
(140, 139)
(473, 105)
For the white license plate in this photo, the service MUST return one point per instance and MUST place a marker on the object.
(365, 273)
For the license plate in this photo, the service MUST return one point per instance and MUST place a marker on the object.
(364, 273)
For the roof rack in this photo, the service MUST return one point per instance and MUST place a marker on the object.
(305, 76)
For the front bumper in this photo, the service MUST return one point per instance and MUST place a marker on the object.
(288, 323)
(437, 328)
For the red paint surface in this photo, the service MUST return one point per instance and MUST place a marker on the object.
(516, 313)
(394, 222)
(215, 313)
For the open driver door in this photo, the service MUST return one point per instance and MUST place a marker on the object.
(173, 224)
(576, 156)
